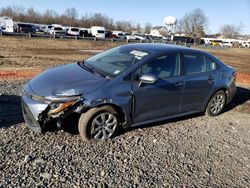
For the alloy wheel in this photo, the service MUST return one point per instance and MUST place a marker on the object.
(217, 103)
(103, 126)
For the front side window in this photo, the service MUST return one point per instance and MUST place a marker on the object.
(162, 67)
(113, 62)
(194, 63)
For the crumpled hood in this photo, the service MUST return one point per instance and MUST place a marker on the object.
(65, 80)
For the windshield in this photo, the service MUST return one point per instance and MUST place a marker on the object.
(113, 62)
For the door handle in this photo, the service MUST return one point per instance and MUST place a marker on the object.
(179, 83)
(210, 78)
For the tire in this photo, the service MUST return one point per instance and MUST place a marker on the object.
(216, 104)
(98, 124)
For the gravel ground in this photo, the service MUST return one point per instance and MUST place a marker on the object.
(194, 151)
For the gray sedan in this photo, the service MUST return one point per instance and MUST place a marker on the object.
(127, 86)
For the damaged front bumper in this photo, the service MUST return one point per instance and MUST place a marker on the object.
(31, 111)
(37, 111)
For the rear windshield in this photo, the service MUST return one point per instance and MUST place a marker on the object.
(100, 31)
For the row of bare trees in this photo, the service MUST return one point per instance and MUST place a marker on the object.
(231, 31)
(195, 24)
(70, 17)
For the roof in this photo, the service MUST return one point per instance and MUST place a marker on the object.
(157, 48)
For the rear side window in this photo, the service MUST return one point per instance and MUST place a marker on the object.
(210, 65)
(194, 63)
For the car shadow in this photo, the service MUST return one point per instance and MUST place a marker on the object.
(148, 125)
(10, 110)
(242, 95)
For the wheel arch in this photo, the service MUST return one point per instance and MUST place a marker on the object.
(117, 108)
(215, 91)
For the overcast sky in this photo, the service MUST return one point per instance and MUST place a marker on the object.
(218, 11)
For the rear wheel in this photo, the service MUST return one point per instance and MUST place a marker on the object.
(98, 124)
(216, 103)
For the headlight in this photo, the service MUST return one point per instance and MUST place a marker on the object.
(58, 107)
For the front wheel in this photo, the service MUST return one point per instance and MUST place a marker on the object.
(98, 124)
(216, 104)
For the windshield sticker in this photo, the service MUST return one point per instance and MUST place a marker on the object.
(117, 72)
(139, 54)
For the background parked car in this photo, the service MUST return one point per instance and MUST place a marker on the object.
(246, 44)
(73, 31)
(57, 31)
(135, 37)
(84, 33)
(229, 44)
(117, 34)
(25, 28)
(46, 29)
(108, 34)
(6, 24)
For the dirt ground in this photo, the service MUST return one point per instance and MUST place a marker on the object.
(33, 53)
(239, 58)
(22, 58)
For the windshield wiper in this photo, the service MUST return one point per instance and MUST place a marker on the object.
(83, 66)
(91, 69)
(97, 71)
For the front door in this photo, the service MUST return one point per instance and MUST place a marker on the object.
(162, 98)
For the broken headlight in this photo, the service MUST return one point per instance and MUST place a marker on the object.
(60, 104)
(58, 107)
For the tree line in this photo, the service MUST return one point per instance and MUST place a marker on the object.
(193, 24)
(69, 17)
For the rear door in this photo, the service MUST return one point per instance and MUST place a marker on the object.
(200, 75)
(162, 98)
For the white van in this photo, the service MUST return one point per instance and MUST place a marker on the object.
(97, 31)
(6, 24)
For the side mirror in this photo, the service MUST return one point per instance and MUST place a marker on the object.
(147, 79)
